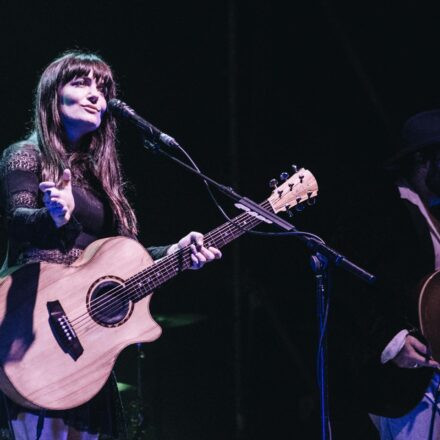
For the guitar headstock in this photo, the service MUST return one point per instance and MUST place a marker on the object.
(299, 188)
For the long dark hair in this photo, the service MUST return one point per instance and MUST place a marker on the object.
(101, 155)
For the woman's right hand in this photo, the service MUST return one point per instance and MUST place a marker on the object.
(59, 199)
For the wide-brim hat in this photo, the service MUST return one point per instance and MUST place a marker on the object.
(419, 132)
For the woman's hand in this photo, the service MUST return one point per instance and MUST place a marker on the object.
(199, 253)
(59, 199)
(414, 354)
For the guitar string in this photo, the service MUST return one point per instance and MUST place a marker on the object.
(114, 301)
(266, 204)
(169, 272)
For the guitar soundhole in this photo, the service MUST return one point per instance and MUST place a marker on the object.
(108, 304)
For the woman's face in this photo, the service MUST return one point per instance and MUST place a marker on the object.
(81, 104)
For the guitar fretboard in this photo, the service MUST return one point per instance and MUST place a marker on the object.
(144, 282)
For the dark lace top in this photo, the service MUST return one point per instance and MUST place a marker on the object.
(33, 237)
(32, 233)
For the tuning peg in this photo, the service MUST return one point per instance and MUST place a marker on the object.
(294, 168)
(284, 176)
(310, 201)
(273, 183)
(289, 211)
(298, 206)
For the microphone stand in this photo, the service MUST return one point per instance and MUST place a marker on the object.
(322, 256)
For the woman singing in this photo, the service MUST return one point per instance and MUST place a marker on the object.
(62, 189)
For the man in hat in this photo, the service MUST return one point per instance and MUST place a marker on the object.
(392, 372)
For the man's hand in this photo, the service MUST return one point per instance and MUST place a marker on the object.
(199, 253)
(414, 354)
(59, 199)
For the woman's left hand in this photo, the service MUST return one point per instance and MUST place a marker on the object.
(199, 253)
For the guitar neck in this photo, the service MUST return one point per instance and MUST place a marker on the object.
(146, 281)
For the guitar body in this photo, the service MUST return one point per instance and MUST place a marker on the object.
(429, 312)
(41, 369)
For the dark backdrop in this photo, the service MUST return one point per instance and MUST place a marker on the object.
(249, 87)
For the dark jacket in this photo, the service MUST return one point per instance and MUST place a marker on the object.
(389, 237)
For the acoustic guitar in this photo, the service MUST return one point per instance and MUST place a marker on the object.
(62, 327)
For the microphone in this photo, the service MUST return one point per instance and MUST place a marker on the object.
(153, 134)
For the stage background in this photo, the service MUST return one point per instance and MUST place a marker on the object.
(249, 88)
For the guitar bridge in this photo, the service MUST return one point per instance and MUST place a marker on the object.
(63, 330)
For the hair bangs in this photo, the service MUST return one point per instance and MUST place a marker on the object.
(76, 66)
